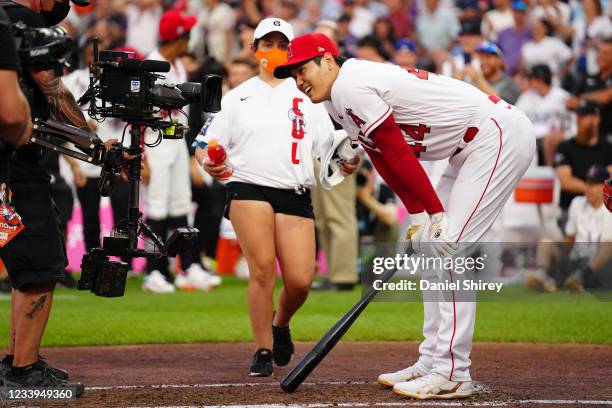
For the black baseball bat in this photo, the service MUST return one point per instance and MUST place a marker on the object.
(311, 360)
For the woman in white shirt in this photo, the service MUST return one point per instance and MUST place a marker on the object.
(546, 49)
(271, 133)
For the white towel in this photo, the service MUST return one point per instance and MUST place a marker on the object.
(342, 150)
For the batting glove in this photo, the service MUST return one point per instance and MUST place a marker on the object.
(435, 241)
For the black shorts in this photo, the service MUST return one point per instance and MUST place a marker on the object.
(282, 201)
(37, 254)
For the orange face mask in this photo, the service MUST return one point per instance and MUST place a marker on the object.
(271, 59)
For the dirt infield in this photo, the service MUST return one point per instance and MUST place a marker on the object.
(215, 375)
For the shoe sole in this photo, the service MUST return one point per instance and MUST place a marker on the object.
(389, 384)
(259, 374)
(432, 396)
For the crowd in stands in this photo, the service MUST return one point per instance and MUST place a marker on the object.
(550, 58)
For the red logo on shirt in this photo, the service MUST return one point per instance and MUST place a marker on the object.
(297, 128)
(358, 121)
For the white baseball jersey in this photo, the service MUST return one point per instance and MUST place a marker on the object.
(433, 111)
(547, 113)
(270, 134)
(169, 189)
(435, 114)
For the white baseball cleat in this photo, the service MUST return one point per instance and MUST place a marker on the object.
(407, 374)
(156, 283)
(200, 276)
(434, 386)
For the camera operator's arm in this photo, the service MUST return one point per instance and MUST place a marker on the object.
(63, 105)
(15, 123)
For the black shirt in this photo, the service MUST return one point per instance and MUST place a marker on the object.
(8, 56)
(24, 163)
(580, 158)
(596, 83)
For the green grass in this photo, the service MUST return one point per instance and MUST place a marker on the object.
(80, 318)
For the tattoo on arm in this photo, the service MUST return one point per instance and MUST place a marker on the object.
(37, 306)
(63, 105)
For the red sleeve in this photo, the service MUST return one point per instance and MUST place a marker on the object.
(406, 175)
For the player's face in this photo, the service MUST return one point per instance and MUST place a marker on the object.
(316, 80)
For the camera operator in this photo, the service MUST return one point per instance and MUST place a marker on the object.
(34, 276)
(376, 206)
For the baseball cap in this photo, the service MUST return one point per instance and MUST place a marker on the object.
(303, 49)
(405, 44)
(519, 5)
(597, 173)
(487, 47)
(270, 25)
(174, 24)
(587, 108)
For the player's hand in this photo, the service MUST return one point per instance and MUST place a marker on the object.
(435, 241)
(348, 168)
(215, 170)
(419, 225)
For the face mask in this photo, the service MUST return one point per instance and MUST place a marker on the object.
(55, 16)
(271, 59)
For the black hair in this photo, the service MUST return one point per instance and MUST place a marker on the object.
(542, 72)
(339, 59)
(550, 29)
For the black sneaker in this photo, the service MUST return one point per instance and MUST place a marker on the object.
(7, 363)
(282, 347)
(262, 364)
(56, 372)
(36, 377)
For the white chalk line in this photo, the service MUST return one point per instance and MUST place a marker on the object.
(479, 388)
(400, 404)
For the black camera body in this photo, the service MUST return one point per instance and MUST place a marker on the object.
(101, 276)
(42, 48)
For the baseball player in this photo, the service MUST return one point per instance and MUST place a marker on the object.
(168, 198)
(271, 133)
(401, 116)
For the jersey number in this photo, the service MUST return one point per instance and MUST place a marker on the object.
(417, 133)
(297, 128)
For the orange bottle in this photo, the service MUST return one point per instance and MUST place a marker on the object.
(217, 155)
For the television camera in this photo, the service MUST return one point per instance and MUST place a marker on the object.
(124, 87)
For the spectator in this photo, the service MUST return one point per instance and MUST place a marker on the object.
(490, 78)
(436, 27)
(239, 71)
(213, 33)
(544, 103)
(399, 18)
(370, 48)
(598, 88)
(362, 19)
(383, 30)
(589, 30)
(405, 53)
(557, 13)
(575, 156)
(498, 19)
(346, 40)
(546, 49)
(464, 53)
(583, 260)
(511, 40)
(141, 16)
(309, 17)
